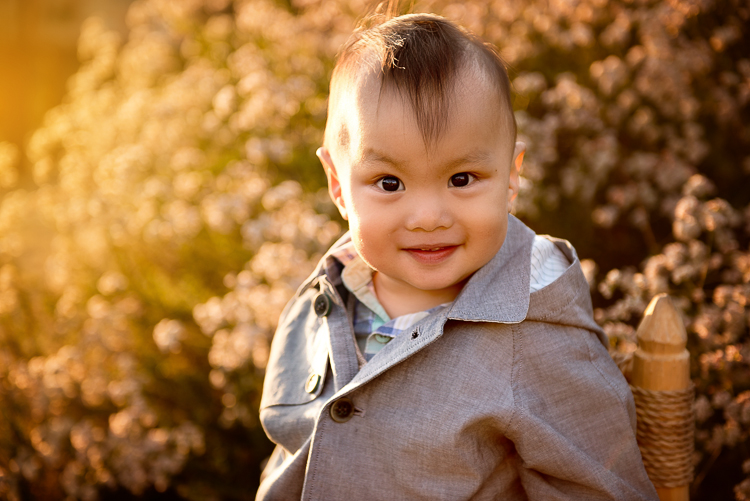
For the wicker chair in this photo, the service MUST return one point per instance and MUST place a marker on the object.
(659, 376)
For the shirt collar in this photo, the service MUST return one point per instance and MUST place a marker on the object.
(357, 278)
(326, 264)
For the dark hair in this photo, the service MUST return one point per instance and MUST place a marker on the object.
(420, 56)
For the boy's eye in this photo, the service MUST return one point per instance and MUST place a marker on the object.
(390, 183)
(461, 179)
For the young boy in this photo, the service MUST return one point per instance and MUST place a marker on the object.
(440, 350)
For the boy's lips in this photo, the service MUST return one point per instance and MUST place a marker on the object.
(431, 254)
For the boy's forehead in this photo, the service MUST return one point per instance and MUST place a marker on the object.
(365, 106)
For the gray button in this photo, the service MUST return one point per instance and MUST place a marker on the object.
(312, 383)
(342, 410)
(322, 305)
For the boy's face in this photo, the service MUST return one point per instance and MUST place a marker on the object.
(425, 218)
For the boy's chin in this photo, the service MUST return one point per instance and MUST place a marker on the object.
(438, 286)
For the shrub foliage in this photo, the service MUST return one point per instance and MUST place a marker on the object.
(173, 203)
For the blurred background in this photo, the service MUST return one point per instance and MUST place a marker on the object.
(38, 41)
(160, 202)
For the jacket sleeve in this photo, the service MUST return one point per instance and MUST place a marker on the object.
(573, 419)
(283, 477)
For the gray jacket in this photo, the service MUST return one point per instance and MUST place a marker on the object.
(506, 395)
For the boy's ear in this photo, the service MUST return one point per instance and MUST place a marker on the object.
(515, 172)
(334, 184)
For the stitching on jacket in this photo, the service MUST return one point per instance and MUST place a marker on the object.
(603, 374)
(314, 473)
(513, 374)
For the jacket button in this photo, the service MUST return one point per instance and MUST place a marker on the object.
(322, 305)
(342, 410)
(312, 383)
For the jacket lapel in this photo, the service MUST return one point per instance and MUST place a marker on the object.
(399, 349)
(498, 292)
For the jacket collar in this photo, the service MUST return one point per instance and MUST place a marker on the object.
(499, 291)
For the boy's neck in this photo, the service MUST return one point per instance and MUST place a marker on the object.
(399, 298)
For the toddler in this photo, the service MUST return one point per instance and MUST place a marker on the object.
(440, 350)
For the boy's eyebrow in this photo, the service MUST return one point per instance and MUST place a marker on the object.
(372, 155)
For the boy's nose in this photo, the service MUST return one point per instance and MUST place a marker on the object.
(428, 214)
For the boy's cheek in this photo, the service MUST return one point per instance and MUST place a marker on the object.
(360, 204)
(349, 202)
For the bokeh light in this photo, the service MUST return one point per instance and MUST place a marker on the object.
(154, 224)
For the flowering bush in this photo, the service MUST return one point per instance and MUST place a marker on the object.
(154, 185)
(174, 204)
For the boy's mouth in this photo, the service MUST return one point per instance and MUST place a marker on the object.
(431, 254)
